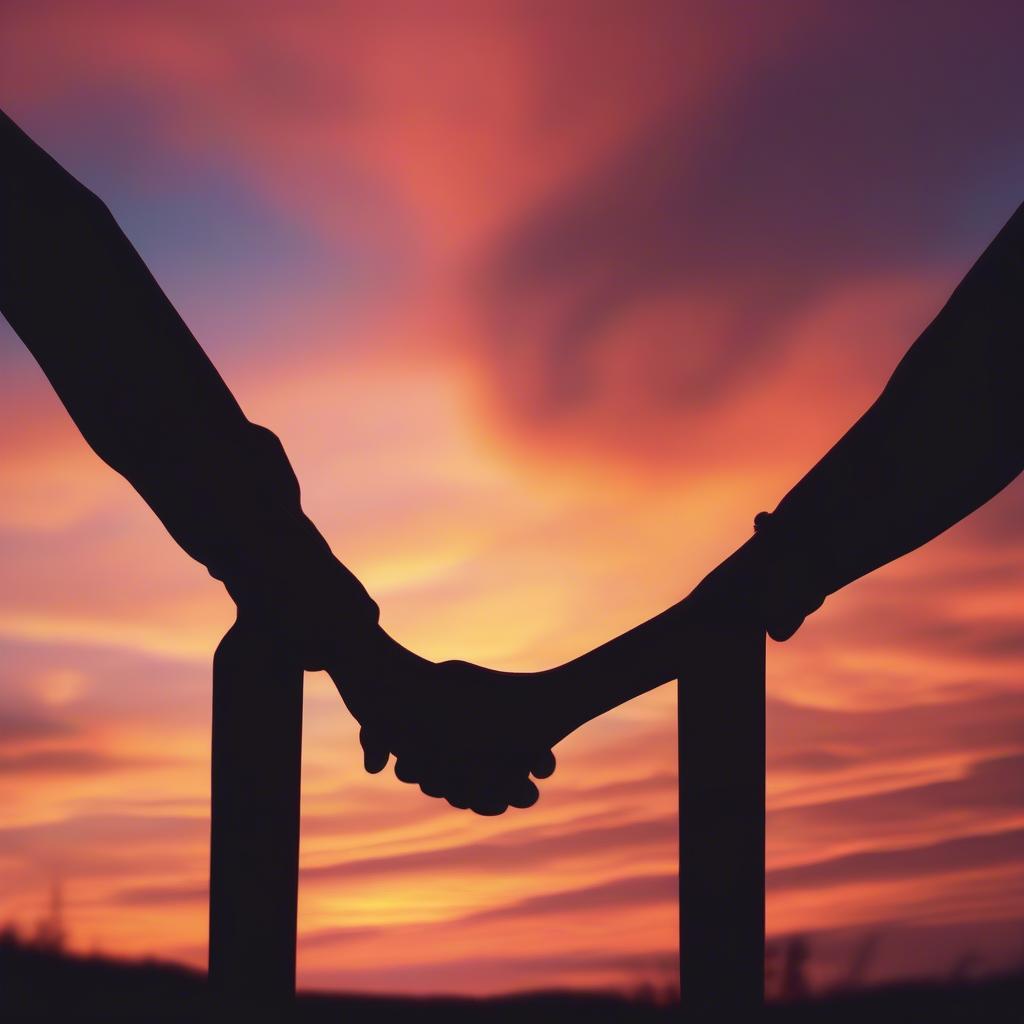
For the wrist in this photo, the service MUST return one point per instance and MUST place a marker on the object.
(565, 701)
(268, 553)
(787, 579)
(286, 571)
(575, 694)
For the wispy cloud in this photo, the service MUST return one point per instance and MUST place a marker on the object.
(545, 309)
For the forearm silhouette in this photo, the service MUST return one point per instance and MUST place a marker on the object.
(151, 404)
(945, 436)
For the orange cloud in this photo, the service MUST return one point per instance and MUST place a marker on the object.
(545, 308)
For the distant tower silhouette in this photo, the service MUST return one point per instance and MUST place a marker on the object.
(50, 934)
(794, 985)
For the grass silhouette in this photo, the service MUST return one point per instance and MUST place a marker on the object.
(45, 984)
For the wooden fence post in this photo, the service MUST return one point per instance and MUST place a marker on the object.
(254, 841)
(254, 820)
(721, 828)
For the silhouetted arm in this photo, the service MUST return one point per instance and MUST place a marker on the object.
(945, 435)
(151, 404)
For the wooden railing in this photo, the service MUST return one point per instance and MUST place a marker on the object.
(254, 819)
(254, 842)
(721, 827)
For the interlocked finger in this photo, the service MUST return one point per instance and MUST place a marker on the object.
(544, 765)
(522, 794)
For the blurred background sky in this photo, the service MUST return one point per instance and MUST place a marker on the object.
(546, 301)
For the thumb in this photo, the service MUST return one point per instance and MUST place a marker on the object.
(376, 752)
(782, 627)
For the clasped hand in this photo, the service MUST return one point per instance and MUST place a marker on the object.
(477, 737)
(470, 735)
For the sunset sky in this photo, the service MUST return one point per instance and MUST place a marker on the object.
(545, 300)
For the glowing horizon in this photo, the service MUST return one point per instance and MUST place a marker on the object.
(544, 309)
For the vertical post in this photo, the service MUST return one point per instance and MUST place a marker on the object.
(254, 833)
(721, 827)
